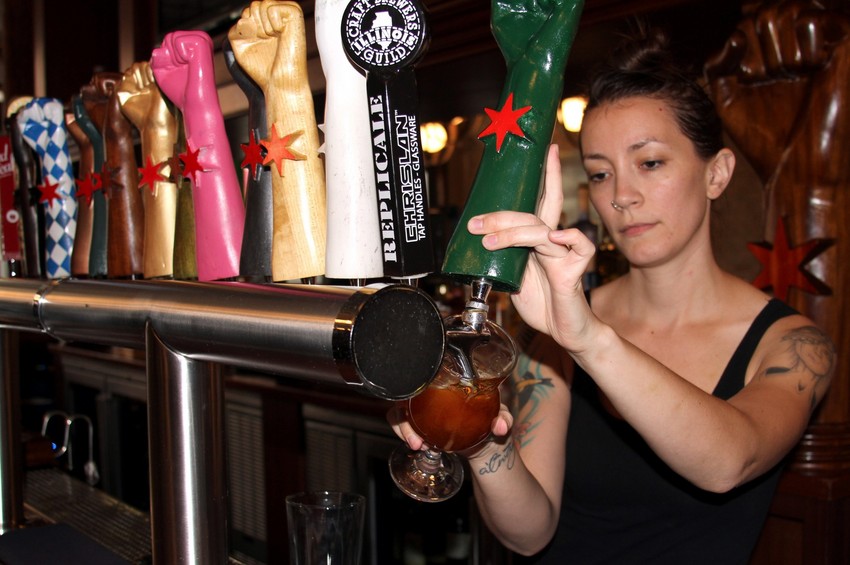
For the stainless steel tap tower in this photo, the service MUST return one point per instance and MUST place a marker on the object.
(385, 342)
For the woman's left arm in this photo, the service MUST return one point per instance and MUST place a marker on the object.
(714, 443)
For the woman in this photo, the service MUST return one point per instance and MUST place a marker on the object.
(653, 414)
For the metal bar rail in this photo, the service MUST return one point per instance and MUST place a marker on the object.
(386, 342)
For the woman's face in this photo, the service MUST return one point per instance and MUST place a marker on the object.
(637, 158)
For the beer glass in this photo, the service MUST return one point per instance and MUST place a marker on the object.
(455, 411)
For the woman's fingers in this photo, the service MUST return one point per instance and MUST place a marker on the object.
(552, 201)
(397, 418)
(574, 240)
(503, 422)
(520, 236)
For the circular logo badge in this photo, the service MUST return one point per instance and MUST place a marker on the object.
(12, 216)
(384, 34)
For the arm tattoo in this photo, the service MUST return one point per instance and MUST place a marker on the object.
(811, 353)
(530, 388)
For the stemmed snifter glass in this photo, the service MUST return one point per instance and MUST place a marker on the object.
(455, 411)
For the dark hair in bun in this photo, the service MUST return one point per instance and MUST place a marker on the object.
(645, 67)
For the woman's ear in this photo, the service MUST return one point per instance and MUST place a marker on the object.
(720, 170)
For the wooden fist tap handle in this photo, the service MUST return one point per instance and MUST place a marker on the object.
(269, 42)
(126, 224)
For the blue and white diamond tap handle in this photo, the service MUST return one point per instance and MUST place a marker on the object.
(42, 123)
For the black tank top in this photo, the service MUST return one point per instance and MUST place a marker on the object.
(622, 504)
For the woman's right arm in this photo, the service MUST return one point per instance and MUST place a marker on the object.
(518, 479)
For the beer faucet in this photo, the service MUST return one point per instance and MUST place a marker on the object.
(465, 333)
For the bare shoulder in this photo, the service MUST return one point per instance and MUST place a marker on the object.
(795, 353)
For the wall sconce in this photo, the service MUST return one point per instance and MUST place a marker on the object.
(572, 112)
(434, 137)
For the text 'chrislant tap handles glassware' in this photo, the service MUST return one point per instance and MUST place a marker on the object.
(385, 40)
(535, 44)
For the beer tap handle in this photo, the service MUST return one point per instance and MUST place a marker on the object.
(183, 67)
(90, 113)
(185, 257)
(126, 220)
(144, 106)
(11, 215)
(31, 211)
(535, 44)
(255, 262)
(386, 40)
(269, 42)
(42, 123)
(82, 237)
(353, 240)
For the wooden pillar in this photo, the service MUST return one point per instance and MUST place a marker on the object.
(785, 101)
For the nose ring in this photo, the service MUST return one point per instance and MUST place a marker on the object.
(616, 206)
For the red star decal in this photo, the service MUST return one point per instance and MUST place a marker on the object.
(782, 264)
(86, 187)
(48, 192)
(191, 166)
(253, 154)
(504, 121)
(150, 174)
(279, 149)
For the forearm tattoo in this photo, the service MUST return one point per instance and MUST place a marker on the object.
(811, 354)
(530, 389)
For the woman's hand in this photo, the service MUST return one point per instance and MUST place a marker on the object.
(551, 298)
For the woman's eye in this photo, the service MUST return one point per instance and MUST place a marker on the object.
(652, 164)
(596, 177)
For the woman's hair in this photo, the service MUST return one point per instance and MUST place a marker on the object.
(644, 67)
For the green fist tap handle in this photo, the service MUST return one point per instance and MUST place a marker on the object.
(535, 37)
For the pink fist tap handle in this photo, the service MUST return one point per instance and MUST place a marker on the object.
(183, 68)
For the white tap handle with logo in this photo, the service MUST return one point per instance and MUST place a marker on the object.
(386, 39)
(353, 239)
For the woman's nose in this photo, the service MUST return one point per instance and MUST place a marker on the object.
(626, 194)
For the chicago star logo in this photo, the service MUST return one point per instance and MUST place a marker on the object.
(384, 33)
